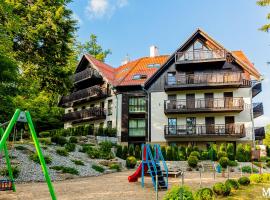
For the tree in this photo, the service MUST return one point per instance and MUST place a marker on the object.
(265, 27)
(266, 141)
(93, 48)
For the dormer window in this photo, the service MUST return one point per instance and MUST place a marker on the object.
(154, 65)
(139, 76)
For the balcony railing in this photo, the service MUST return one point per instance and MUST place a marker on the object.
(137, 108)
(259, 133)
(85, 115)
(215, 130)
(256, 88)
(257, 110)
(136, 132)
(229, 104)
(200, 56)
(206, 80)
(85, 74)
(85, 94)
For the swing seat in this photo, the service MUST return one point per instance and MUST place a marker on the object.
(6, 185)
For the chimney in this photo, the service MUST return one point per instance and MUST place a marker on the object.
(153, 51)
(125, 60)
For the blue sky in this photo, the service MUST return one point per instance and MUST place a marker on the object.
(131, 26)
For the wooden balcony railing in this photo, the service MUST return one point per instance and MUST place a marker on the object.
(219, 130)
(85, 74)
(204, 105)
(86, 114)
(93, 92)
(200, 55)
(257, 110)
(206, 80)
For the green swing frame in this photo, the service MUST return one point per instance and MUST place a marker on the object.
(3, 146)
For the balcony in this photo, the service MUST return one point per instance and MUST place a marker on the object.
(137, 109)
(257, 110)
(206, 81)
(88, 73)
(259, 133)
(208, 105)
(205, 131)
(87, 94)
(256, 88)
(85, 115)
(199, 56)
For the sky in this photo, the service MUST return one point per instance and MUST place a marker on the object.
(130, 27)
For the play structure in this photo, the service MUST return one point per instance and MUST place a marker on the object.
(23, 117)
(151, 164)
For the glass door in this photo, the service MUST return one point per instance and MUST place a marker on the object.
(191, 125)
(172, 128)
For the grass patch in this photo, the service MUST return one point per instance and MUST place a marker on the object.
(35, 158)
(62, 152)
(115, 166)
(78, 162)
(21, 148)
(15, 171)
(66, 170)
(248, 169)
(98, 168)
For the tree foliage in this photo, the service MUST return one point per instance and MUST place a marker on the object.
(266, 141)
(265, 27)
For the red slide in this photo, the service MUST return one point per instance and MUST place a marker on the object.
(134, 177)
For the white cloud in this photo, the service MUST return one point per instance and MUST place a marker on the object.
(77, 18)
(103, 8)
(261, 121)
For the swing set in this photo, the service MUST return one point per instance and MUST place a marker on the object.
(25, 117)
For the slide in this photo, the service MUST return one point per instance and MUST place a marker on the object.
(134, 177)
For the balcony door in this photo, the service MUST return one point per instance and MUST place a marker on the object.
(229, 125)
(209, 100)
(228, 99)
(190, 101)
(171, 78)
(190, 77)
(191, 125)
(210, 125)
(172, 126)
(172, 101)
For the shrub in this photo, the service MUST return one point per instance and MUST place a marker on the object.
(85, 148)
(46, 141)
(57, 168)
(70, 147)
(93, 153)
(204, 194)
(98, 168)
(125, 153)
(59, 140)
(62, 152)
(163, 151)
(221, 189)
(175, 153)
(244, 181)
(213, 152)
(232, 163)
(15, 172)
(204, 155)
(255, 178)
(78, 162)
(105, 146)
(192, 161)
(169, 153)
(222, 147)
(119, 152)
(177, 192)
(21, 148)
(70, 170)
(189, 150)
(195, 153)
(268, 164)
(115, 166)
(230, 151)
(35, 158)
(44, 134)
(131, 162)
(182, 152)
(221, 154)
(131, 150)
(248, 169)
(265, 177)
(247, 153)
(73, 139)
(137, 152)
(233, 184)
(223, 161)
(240, 153)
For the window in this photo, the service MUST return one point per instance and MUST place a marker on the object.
(110, 107)
(136, 127)
(155, 65)
(171, 78)
(172, 125)
(109, 124)
(137, 104)
(136, 77)
(191, 125)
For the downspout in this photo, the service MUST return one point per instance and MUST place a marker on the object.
(116, 120)
(148, 114)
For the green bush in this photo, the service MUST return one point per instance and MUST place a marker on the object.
(233, 184)
(192, 161)
(34, 157)
(189, 150)
(268, 164)
(62, 152)
(255, 178)
(60, 140)
(265, 177)
(177, 193)
(204, 194)
(98, 168)
(21, 148)
(230, 151)
(86, 147)
(119, 151)
(137, 152)
(15, 172)
(44, 134)
(204, 155)
(125, 153)
(175, 153)
(131, 150)
(78, 162)
(163, 151)
(248, 169)
(93, 153)
(247, 153)
(46, 141)
(115, 166)
(223, 161)
(183, 152)
(169, 153)
(240, 153)
(195, 153)
(221, 154)
(73, 139)
(131, 162)
(70, 147)
(213, 152)
(222, 147)
(244, 181)
(221, 189)
(232, 163)
(66, 170)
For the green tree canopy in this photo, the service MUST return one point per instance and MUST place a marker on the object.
(265, 27)
(266, 141)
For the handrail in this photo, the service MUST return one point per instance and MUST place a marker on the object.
(149, 153)
(200, 55)
(156, 146)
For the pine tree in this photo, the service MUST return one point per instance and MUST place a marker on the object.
(265, 27)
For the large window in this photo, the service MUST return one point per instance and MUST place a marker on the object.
(136, 127)
(137, 104)
(110, 107)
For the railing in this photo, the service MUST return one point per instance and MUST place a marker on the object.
(90, 113)
(136, 132)
(259, 133)
(87, 73)
(159, 157)
(205, 130)
(200, 55)
(94, 91)
(137, 108)
(204, 104)
(206, 79)
(257, 110)
(256, 88)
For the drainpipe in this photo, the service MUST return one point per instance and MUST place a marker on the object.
(148, 106)
(252, 120)
(116, 121)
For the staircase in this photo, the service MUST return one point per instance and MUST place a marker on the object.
(161, 179)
